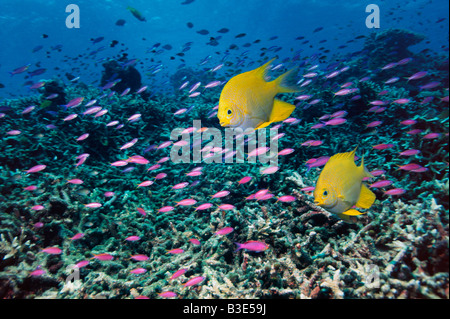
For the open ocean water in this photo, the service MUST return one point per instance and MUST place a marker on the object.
(194, 149)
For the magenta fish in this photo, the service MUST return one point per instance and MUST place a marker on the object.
(224, 231)
(36, 169)
(194, 281)
(74, 103)
(336, 121)
(252, 245)
(418, 75)
(395, 191)
(380, 184)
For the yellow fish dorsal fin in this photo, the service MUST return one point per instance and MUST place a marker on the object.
(343, 156)
(261, 72)
(280, 111)
(366, 198)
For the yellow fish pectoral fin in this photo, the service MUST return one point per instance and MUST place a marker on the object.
(366, 198)
(280, 111)
(352, 212)
(262, 125)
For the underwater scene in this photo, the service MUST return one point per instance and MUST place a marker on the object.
(195, 149)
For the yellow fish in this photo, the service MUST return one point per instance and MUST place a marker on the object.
(340, 187)
(248, 100)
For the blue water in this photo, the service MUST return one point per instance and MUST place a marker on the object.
(22, 27)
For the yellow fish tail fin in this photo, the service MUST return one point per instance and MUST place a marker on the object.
(280, 111)
(261, 72)
(286, 83)
(366, 198)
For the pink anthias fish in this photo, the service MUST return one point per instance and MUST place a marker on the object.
(37, 207)
(93, 205)
(14, 132)
(36, 169)
(167, 294)
(408, 122)
(286, 151)
(74, 103)
(418, 75)
(383, 146)
(220, 194)
(380, 184)
(175, 251)
(245, 179)
(139, 257)
(180, 185)
(374, 124)
(186, 202)
(134, 117)
(226, 207)
(119, 163)
(410, 152)
(103, 257)
(70, 117)
(81, 264)
(258, 151)
(224, 231)
(145, 184)
(138, 271)
(138, 159)
(178, 273)
(166, 209)
(270, 170)
(75, 181)
(77, 236)
(194, 281)
(410, 167)
(132, 238)
(37, 272)
(129, 144)
(194, 241)
(141, 211)
(92, 110)
(395, 191)
(431, 136)
(82, 137)
(312, 143)
(52, 250)
(286, 198)
(204, 206)
(336, 121)
(252, 245)
(317, 162)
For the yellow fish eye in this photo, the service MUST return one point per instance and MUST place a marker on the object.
(229, 111)
(325, 193)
